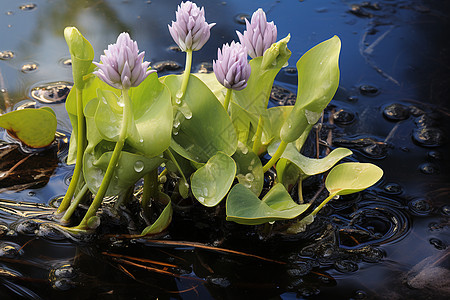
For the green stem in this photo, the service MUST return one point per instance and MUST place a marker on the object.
(69, 212)
(226, 103)
(112, 163)
(331, 196)
(300, 190)
(80, 151)
(172, 158)
(187, 72)
(275, 157)
(257, 143)
(150, 190)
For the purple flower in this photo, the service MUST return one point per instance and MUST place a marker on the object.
(190, 31)
(260, 34)
(122, 66)
(231, 67)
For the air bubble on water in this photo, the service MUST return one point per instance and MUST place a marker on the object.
(25, 7)
(5, 55)
(27, 68)
(139, 166)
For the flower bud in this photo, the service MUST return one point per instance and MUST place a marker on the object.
(231, 67)
(190, 30)
(122, 66)
(260, 34)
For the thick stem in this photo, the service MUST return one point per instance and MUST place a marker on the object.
(80, 151)
(150, 189)
(73, 206)
(112, 163)
(226, 103)
(275, 157)
(187, 72)
(318, 208)
(300, 190)
(257, 142)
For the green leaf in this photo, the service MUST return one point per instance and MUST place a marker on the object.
(300, 226)
(273, 121)
(209, 130)
(348, 178)
(211, 183)
(318, 80)
(36, 128)
(310, 166)
(249, 169)
(131, 167)
(163, 220)
(244, 207)
(81, 53)
(287, 173)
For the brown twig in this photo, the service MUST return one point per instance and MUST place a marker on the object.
(144, 260)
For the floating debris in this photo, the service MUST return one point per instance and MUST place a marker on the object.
(54, 92)
(27, 7)
(343, 117)
(6, 55)
(396, 112)
(27, 68)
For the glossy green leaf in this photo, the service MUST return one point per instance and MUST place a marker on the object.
(318, 80)
(36, 128)
(311, 166)
(348, 178)
(244, 123)
(209, 130)
(211, 183)
(287, 173)
(163, 220)
(81, 53)
(249, 169)
(130, 168)
(244, 207)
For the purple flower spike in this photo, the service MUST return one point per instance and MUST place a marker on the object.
(190, 31)
(260, 34)
(231, 67)
(123, 66)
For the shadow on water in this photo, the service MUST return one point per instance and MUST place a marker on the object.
(390, 242)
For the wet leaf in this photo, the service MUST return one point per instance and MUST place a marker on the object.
(348, 178)
(244, 207)
(287, 173)
(211, 182)
(163, 220)
(81, 53)
(318, 80)
(249, 169)
(311, 166)
(36, 128)
(209, 130)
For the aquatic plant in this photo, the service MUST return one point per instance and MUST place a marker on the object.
(203, 130)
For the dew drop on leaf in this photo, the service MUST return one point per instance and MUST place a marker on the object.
(138, 166)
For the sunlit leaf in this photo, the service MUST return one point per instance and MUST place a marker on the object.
(81, 53)
(211, 183)
(287, 173)
(209, 130)
(244, 207)
(318, 80)
(249, 169)
(163, 220)
(36, 128)
(348, 178)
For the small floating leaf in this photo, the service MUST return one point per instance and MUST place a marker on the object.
(244, 207)
(36, 128)
(163, 220)
(211, 182)
(311, 166)
(348, 178)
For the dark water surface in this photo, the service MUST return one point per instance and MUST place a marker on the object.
(391, 109)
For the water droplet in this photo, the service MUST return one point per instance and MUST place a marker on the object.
(249, 177)
(205, 192)
(312, 116)
(66, 62)
(104, 100)
(240, 18)
(120, 103)
(5, 55)
(185, 110)
(141, 140)
(54, 92)
(176, 123)
(27, 7)
(139, 166)
(201, 199)
(27, 68)
(3, 90)
(368, 90)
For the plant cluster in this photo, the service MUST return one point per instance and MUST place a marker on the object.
(209, 131)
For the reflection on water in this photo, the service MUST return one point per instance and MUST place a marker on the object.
(390, 109)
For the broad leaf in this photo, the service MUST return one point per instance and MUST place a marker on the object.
(348, 178)
(287, 173)
(249, 169)
(311, 166)
(163, 220)
(209, 130)
(211, 183)
(81, 53)
(244, 207)
(318, 80)
(36, 128)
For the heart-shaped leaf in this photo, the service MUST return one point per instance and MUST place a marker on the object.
(249, 169)
(36, 128)
(212, 182)
(310, 166)
(244, 207)
(348, 178)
